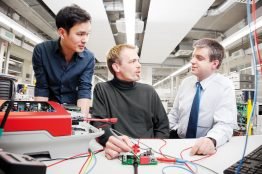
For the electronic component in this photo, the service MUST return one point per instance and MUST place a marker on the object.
(38, 143)
(71, 107)
(258, 119)
(36, 116)
(82, 128)
(28, 106)
(142, 160)
(146, 158)
(37, 132)
(13, 164)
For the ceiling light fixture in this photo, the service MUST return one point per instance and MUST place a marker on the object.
(121, 25)
(20, 29)
(179, 71)
(229, 41)
(130, 15)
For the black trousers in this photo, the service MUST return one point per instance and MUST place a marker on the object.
(173, 134)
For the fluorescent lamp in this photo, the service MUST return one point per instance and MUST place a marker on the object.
(226, 43)
(20, 29)
(121, 25)
(241, 33)
(130, 15)
(99, 78)
(179, 71)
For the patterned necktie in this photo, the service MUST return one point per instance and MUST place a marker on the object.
(193, 118)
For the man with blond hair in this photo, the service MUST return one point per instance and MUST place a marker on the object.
(137, 106)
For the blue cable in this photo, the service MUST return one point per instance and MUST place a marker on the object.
(186, 161)
(194, 164)
(89, 171)
(254, 58)
(175, 166)
(181, 160)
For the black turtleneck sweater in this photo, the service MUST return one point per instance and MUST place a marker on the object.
(137, 106)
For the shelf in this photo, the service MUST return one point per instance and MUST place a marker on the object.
(14, 71)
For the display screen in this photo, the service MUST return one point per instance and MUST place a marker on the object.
(259, 109)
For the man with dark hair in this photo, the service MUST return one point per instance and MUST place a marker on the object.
(64, 67)
(137, 106)
(213, 115)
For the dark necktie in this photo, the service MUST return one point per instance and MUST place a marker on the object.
(193, 118)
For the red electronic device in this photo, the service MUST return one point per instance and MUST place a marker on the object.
(36, 116)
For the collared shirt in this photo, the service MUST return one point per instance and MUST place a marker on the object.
(217, 110)
(61, 81)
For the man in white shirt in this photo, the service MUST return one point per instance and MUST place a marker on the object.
(217, 116)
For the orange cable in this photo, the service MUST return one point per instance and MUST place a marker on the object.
(90, 154)
(65, 159)
(255, 34)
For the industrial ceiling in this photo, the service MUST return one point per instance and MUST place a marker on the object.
(165, 29)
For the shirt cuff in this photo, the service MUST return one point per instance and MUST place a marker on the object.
(213, 140)
(41, 92)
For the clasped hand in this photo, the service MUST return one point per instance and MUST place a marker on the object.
(203, 146)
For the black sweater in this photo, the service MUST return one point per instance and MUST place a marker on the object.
(137, 106)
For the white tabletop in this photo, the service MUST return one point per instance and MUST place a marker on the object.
(225, 156)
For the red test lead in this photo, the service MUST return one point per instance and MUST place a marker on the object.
(107, 120)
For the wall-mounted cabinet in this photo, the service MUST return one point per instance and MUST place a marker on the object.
(15, 66)
(19, 63)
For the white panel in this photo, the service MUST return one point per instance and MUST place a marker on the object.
(168, 23)
(19, 52)
(146, 75)
(101, 38)
(7, 35)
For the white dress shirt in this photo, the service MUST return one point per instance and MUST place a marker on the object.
(217, 111)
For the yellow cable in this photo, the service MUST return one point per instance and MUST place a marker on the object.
(87, 164)
(249, 110)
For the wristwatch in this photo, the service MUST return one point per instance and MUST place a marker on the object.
(213, 140)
